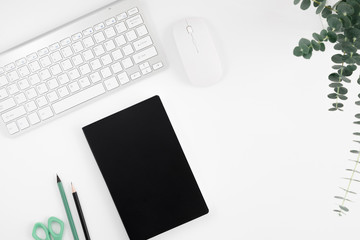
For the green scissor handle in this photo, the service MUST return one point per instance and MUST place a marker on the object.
(49, 230)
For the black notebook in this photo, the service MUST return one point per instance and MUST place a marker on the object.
(145, 169)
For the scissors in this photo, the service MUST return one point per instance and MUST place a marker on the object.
(49, 231)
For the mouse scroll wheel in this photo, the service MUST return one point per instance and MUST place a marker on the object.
(189, 29)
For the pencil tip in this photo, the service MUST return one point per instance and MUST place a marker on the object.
(73, 188)
(58, 179)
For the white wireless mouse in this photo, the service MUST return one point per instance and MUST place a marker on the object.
(197, 51)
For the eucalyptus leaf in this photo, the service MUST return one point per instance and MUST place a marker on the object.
(345, 9)
(342, 97)
(357, 115)
(343, 208)
(332, 36)
(336, 67)
(335, 85)
(320, 7)
(332, 96)
(334, 77)
(296, 1)
(298, 52)
(338, 105)
(337, 58)
(332, 109)
(326, 12)
(305, 4)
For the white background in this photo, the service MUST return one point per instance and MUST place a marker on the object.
(265, 151)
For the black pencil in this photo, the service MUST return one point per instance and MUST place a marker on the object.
(80, 212)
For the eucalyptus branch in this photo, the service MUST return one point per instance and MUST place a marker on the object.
(328, 7)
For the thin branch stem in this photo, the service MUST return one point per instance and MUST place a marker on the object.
(338, 89)
(351, 179)
(328, 7)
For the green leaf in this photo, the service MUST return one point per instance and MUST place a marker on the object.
(322, 47)
(332, 36)
(357, 103)
(334, 23)
(352, 67)
(315, 45)
(297, 52)
(338, 105)
(304, 45)
(342, 97)
(341, 90)
(335, 85)
(338, 197)
(307, 55)
(345, 9)
(332, 96)
(348, 47)
(357, 122)
(334, 77)
(338, 46)
(336, 67)
(317, 37)
(358, 81)
(352, 34)
(357, 116)
(346, 71)
(296, 1)
(356, 134)
(345, 79)
(323, 33)
(343, 208)
(353, 170)
(347, 190)
(305, 4)
(332, 109)
(337, 58)
(321, 7)
(326, 12)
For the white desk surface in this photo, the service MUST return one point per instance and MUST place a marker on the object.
(265, 151)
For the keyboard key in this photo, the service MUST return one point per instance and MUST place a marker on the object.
(74, 87)
(63, 79)
(88, 31)
(63, 92)
(9, 67)
(88, 42)
(52, 83)
(120, 27)
(74, 74)
(123, 78)
(20, 62)
(34, 79)
(106, 59)
(20, 98)
(12, 128)
(117, 55)
(66, 65)
(146, 71)
(141, 31)
(31, 57)
(42, 88)
(85, 69)
(142, 43)
(110, 32)
(44, 74)
(56, 56)
(12, 89)
(34, 66)
(65, 42)
(3, 81)
(30, 106)
(134, 21)
(95, 77)
(66, 52)
(88, 55)
(131, 36)
(78, 47)
(54, 47)
(43, 52)
(13, 114)
(46, 113)
(7, 104)
(99, 37)
(95, 64)
(23, 84)
(128, 50)
(110, 21)
(3, 93)
(76, 36)
(145, 55)
(77, 60)
(31, 93)
(158, 65)
(99, 50)
(84, 82)
(116, 67)
(111, 83)
(23, 123)
(120, 40)
(24, 71)
(34, 118)
(79, 98)
(13, 76)
(133, 11)
(55, 70)
(144, 65)
(106, 72)
(109, 45)
(127, 63)
(45, 61)
(52, 96)
(99, 26)
(121, 16)
(135, 75)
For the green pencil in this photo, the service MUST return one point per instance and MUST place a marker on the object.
(67, 208)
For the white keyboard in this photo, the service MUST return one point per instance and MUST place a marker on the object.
(75, 63)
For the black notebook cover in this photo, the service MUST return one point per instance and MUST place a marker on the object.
(145, 169)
